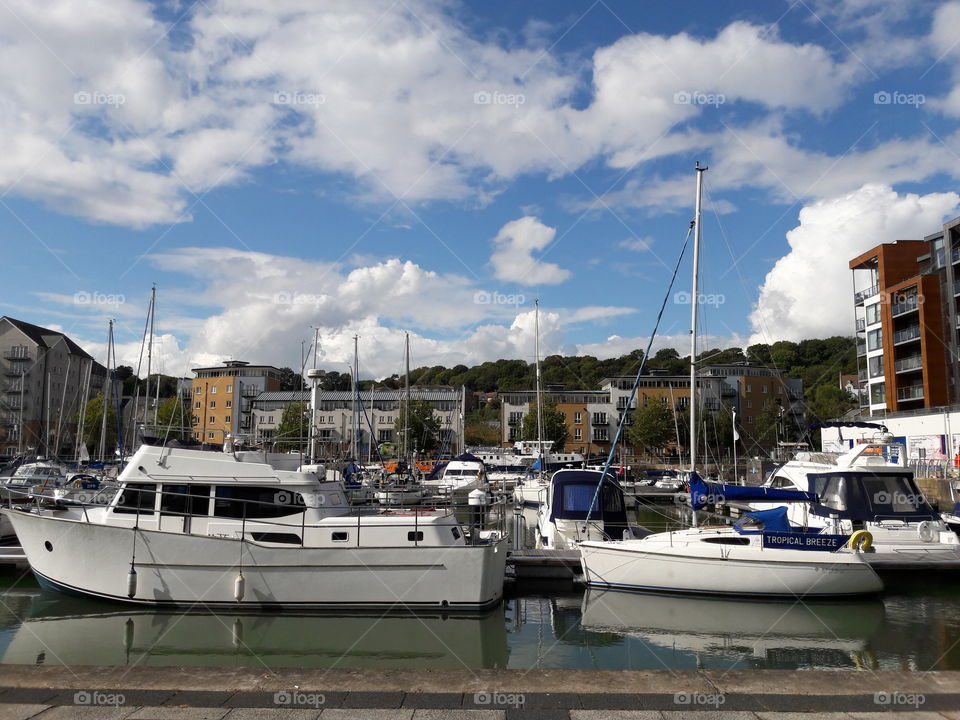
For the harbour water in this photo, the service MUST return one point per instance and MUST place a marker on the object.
(914, 626)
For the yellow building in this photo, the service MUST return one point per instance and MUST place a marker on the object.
(222, 399)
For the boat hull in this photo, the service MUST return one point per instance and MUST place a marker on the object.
(747, 571)
(182, 569)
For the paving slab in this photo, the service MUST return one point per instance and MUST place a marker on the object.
(712, 715)
(128, 697)
(428, 701)
(802, 716)
(617, 715)
(198, 698)
(21, 711)
(170, 713)
(439, 714)
(29, 695)
(366, 714)
(101, 712)
(373, 700)
(271, 714)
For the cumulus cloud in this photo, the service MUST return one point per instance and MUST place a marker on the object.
(138, 118)
(512, 257)
(808, 292)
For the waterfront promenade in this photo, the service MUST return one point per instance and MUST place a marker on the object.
(146, 693)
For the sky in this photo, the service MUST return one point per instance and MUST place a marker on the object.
(285, 169)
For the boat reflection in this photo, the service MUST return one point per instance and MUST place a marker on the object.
(767, 634)
(72, 631)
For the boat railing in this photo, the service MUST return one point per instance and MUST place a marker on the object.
(349, 520)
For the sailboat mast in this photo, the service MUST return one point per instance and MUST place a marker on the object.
(406, 404)
(694, 306)
(355, 429)
(153, 300)
(107, 395)
(536, 345)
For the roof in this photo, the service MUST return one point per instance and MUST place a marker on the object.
(346, 395)
(42, 336)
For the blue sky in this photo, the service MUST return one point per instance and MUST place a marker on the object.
(433, 167)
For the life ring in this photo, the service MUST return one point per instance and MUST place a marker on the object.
(861, 540)
(928, 531)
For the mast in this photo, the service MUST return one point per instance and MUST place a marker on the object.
(405, 446)
(355, 422)
(146, 394)
(694, 306)
(536, 345)
(107, 395)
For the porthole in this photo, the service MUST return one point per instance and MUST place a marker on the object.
(48, 545)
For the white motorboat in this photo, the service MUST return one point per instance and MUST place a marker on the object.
(33, 478)
(766, 557)
(228, 529)
(531, 490)
(870, 488)
(574, 510)
(399, 489)
(458, 478)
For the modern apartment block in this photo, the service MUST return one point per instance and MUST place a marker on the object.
(378, 412)
(906, 314)
(592, 416)
(222, 399)
(47, 380)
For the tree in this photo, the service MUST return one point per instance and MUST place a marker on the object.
(424, 431)
(293, 426)
(479, 429)
(290, 380)
(828, 402)
(173, 413)
(653, 427)
(554, 425)
(92, 424)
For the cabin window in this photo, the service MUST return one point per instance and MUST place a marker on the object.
(415, 536)
(340, 536)
(256, 502)
(456, 533)
(578, 498)
(185, 499)
(136, 498)
(273, 537)
(727, 540)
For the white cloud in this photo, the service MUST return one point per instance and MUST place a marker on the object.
(636, 244)
(808, 292)
(512, 257)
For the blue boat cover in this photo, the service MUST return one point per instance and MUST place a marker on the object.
(702, 494)
(773, 520)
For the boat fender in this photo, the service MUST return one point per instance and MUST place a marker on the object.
(861, 541)
(239, 586)
(131, 582)
(928, 531)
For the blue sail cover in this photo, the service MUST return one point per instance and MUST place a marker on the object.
(773, 520)
(702, 494)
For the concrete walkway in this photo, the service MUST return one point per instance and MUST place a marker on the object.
(113, 693)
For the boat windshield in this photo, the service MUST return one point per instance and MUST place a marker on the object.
(868, 496)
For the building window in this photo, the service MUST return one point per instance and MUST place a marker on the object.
(875, 365)
(213, 404)
(873, 314)
(197, 405)
(764, 389)
(600, 418)
(749, 403)
(197, 390)
(270, 420)
(578, 434)
(749, 419)
(577, 419)
(211, 436)
(600, 435)
(213, 390)
(874, 340)
(746, 387)
(878, 394)
(226, 418)
(212, 420)
(229, 388)
(229, 404)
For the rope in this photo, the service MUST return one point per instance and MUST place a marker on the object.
(636, 380)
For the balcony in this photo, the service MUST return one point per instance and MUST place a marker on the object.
(955, 254)
(862, 375)
(902, 308)
(907, 364)
(859, 297)
(14, 388)
(911, 392)
(862, 346)
(906, 335)
(861, 324)
(16, 354)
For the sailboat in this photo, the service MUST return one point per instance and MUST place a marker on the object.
(531, 490)
(400, 487)
(761, 555)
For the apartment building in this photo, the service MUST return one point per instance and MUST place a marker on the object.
(222, 399)
(47, 380)
(592, 416)
(906, 315)
(373, 423)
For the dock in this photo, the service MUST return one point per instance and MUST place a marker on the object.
(13, 557)
(544, 564)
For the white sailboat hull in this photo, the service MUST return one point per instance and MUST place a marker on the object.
(724, 569)
(178, 568)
